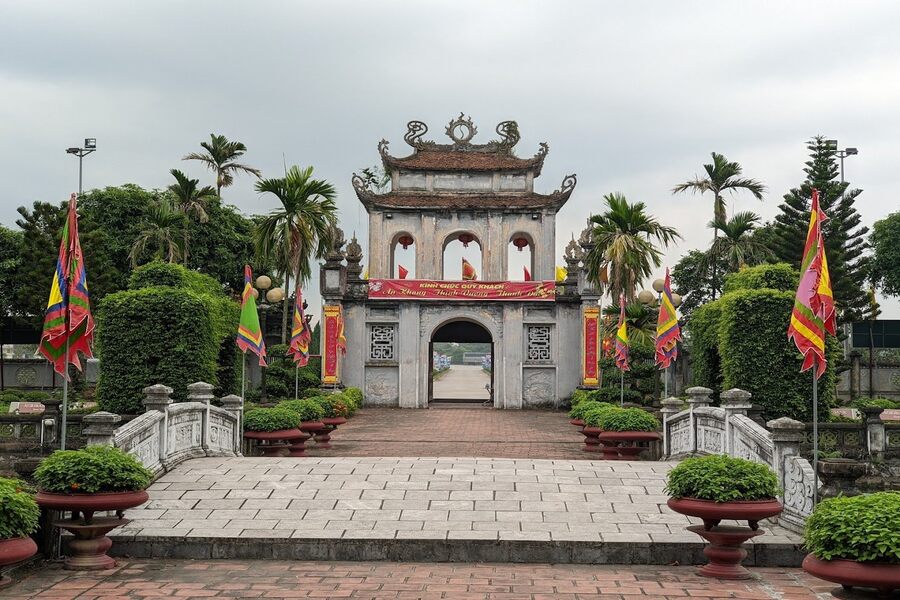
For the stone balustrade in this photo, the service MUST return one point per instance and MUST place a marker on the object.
(169, 433)
(703, 429)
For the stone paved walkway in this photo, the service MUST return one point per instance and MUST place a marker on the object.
(462, 382)
(457, 432)
(415, 498)
(294, 579)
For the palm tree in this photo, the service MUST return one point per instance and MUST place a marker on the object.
(220, 157)
(640, 320)
(626, 249)
(190, 201)
(737, 245)
(300, 230)
(159, 231)
(721, 176)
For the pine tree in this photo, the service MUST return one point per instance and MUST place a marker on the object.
(844, 238)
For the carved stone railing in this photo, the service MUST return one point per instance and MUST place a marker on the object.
(704, 429)
(168, 434)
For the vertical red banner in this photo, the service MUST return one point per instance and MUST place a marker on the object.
(590, 369)
(330, 332)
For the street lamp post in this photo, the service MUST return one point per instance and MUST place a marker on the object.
(842, 154)
(267, 297)
(90, 145)
(658, 286)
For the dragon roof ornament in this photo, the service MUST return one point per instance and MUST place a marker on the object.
(461, 130)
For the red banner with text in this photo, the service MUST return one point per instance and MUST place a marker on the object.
(331, 324)
(590, 370)
(421, 289)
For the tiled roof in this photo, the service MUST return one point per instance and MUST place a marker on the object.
(456, 160)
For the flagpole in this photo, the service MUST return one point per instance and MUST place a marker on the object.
(65, 400)
(666, 382)
(815, 413)
(621, 388)
(296, 381)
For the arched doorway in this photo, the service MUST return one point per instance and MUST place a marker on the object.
(462, 365)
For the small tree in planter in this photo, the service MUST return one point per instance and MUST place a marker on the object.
(591, 414)
(274, 429)
(623, 432)
(311, 414)
(855, 541)
(714, 488)
(96, 478)
(19, 515)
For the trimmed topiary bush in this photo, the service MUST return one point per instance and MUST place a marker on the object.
(354, 398)
(628, 419)
(174, 327)
(309, 409)
(594, 415)
(19, 513)
(780, 276)
(271, 419)
(722, 479)
(861, 528)
(91, 470)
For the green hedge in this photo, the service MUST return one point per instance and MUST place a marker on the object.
(740, 341)
(160, 333)
(780, 276)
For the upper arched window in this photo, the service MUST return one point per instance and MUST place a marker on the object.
(462, 257)
(520, 258)
(403, 257)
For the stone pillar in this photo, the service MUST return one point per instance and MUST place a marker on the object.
(875, 435)
(787, 435)
(670, 406)
(51, 413)
(698, 397)
(734, 402)
(201, 392)
(855, 356)
(235, 405)
(100, 428)
(158, 397)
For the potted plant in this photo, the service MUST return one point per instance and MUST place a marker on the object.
(93, 479)
(274, 430)
(354, 398)
(624, 431)
(855, 541)
(336, 413)
(581, 401)
(713, 488)
(592, 415)
(19, 515)
(311, 414)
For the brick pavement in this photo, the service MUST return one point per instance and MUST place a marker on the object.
(430, 500)
(457, 432)
(295, 579)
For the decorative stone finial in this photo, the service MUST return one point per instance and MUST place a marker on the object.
(699, 396)
(100, 428)
(354, 250)
(671, 405)
(736, 399)
(200, 392)
(157, 397)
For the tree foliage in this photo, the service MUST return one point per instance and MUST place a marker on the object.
(884, 265)
(845, 239)
(220, 157)
(693, 281)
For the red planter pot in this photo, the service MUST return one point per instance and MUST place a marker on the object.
(577, 422)
(90, 544)
(881, 576)
(724, 549)
(591, 439)
(277, 443)
(15, 550)
(316, 429)
(323, 437)
(623, 445)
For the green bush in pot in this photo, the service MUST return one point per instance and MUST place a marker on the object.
(859, 528)
(595, 413)
(271, 419)
(91, 470)
(19, 513)
(722, 479)
(628, 419)
(309, 409)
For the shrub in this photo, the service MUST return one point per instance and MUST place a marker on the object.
(641, 381)
(271, 419)
(613, 395)
(174, 327)
(861, 528)
(884, 403)
(579, 396)
(594, 415)
(308, 409)
(310, 393)
(334, 405)
(583, 408)
(91, 470)
(833, 418)
(628, 419)
(722, 479)
(19, 513)
(780, 276)
(354, 398)
(706, 367)
(282, 371)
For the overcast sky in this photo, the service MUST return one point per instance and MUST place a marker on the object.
(630, 96)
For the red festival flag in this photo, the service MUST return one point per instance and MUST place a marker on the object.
(667, 330)
(622, 338)
(813, 312)
(403, 272)
(68, 323)
(249, 335)
(468, 271)
(527, 274)
(301, 336)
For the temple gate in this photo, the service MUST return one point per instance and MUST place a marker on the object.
(543, 332)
